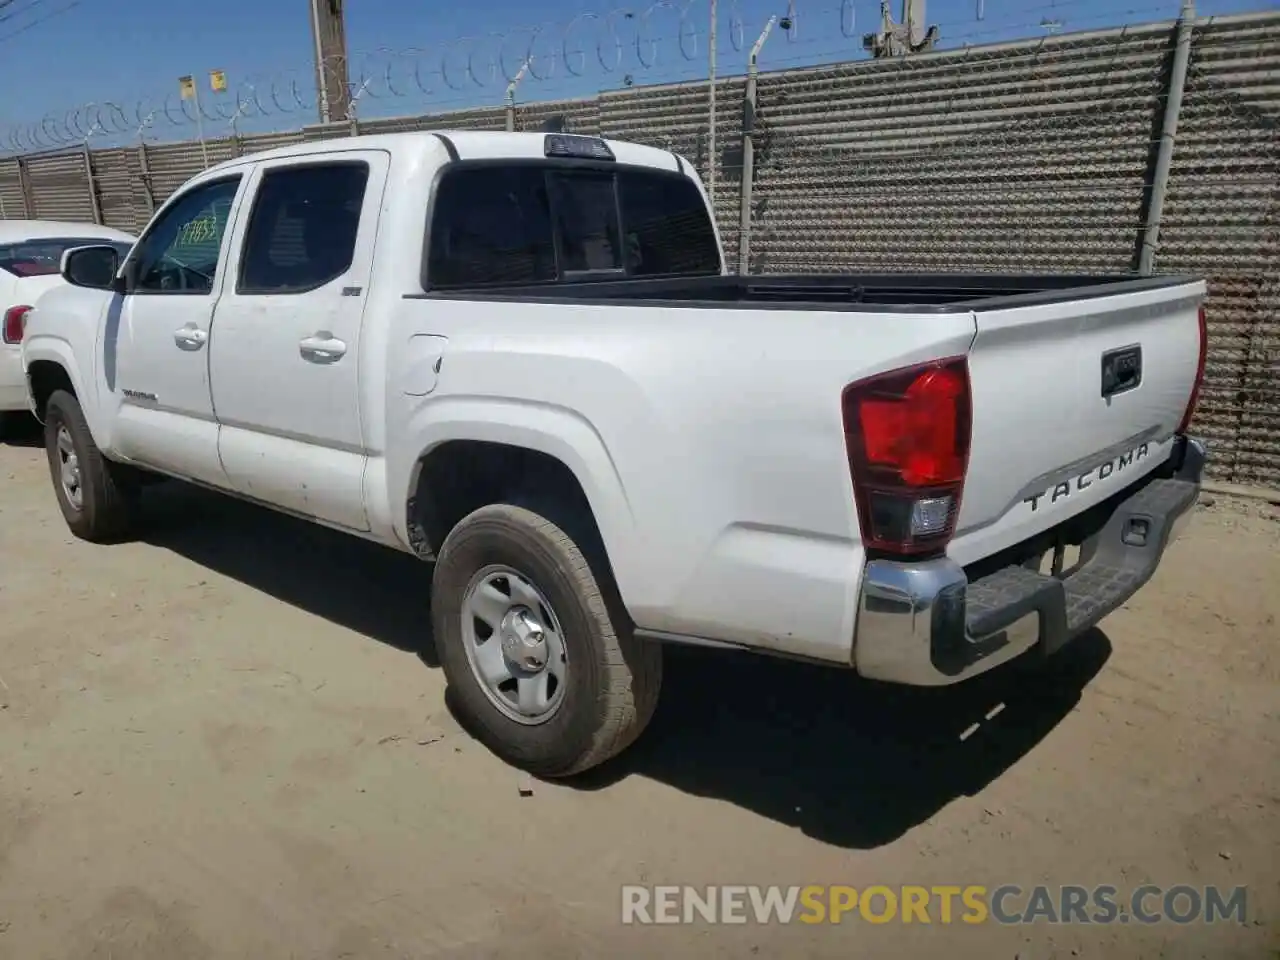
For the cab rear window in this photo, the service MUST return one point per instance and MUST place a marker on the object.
(517, 224)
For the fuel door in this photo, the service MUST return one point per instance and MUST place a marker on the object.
(424, 356)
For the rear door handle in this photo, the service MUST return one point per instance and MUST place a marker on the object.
(190, 337)
(322, 347)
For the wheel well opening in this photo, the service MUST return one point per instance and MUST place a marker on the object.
(463, 475)
(46, 377)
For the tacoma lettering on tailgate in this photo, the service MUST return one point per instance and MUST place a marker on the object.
(1084, 480)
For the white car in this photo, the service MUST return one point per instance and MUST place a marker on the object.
(30, 256)
(520, 356)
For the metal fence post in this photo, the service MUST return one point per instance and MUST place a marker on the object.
(24, 181)
(94, 204)
(711, 110)
(1168, 134)
(147, 196)
(511, 95)
(749, 149)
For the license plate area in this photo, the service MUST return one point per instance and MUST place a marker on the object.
(1121, 370)
(1060, 560)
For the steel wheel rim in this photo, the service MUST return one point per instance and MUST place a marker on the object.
(69, 468)
(514, 645)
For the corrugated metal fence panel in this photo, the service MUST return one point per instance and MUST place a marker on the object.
(11, 205)
(578, 116)
(1025, 156)
(1222, 221)
(258, 142)
(326, 131)
(171, 165)
(675, 118)
(481, 118)
(60, 187)
(117, 175)
(1030, 156)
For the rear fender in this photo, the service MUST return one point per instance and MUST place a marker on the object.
(556, 432)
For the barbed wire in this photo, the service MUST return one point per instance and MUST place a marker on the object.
(619, 42)
(617, 45)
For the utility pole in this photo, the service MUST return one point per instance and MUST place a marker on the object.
(333, 91)
(900, 39)
(711, 110)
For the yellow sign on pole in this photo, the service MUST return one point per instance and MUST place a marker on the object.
(218, 81)
(188, 87)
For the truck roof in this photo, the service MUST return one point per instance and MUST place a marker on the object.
(466, 144)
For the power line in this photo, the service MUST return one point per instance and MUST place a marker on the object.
(37, 21)
(20, 11)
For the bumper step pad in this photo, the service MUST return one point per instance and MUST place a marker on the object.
(1122, 556)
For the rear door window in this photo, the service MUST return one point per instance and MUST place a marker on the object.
(302, 231)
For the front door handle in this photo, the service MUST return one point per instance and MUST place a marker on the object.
(190, 337)
(322, 347)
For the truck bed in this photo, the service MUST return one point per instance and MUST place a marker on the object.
(902, 292)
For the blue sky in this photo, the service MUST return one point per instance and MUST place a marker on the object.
(62, 53)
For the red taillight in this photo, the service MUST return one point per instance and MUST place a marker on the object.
(15, 324)
(1195, 387)
(907, 434)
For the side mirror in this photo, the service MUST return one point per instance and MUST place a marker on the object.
(93, 266)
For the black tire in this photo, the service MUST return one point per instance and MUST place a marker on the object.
(106, 508)
(613, 678)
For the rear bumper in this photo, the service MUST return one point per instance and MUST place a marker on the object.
(927, 624)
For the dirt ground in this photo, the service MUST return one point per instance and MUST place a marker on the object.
(228, 740)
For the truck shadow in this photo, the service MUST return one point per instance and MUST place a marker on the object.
(847, 761)
(22, 430)
(358, 585)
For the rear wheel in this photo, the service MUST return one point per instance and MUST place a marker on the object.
(95, 501)
(543, 668)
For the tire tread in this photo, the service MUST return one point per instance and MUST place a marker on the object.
(107, 511)
(631, 677)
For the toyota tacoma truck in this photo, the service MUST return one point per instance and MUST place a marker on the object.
(521, 356)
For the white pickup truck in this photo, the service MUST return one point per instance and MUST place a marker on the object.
(520, 356)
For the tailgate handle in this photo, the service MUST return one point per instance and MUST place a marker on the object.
(1121, 370)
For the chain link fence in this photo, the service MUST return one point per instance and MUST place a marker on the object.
(1029, 156)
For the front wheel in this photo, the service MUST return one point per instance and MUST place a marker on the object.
(545, 673)
(94, 501)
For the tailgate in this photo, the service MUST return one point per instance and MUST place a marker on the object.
(1072, 402)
